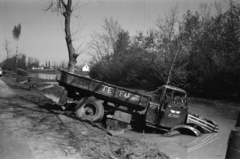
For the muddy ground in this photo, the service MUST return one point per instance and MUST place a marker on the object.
(34, 127)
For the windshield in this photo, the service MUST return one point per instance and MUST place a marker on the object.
(174, 96)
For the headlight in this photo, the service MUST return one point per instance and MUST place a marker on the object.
(175, 111)
(178, 112)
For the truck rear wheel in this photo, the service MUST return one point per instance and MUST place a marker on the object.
(90, 109)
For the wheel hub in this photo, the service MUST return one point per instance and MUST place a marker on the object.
(89, 111)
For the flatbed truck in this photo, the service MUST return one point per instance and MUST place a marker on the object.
(165, 109)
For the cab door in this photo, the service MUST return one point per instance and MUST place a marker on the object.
(153, 114)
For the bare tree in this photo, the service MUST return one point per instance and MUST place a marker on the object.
(32, 62)
(66, 8)
(102, 45)
(6, 48)
(55, 65)
(219, 7)
(167, 27)
(16, 35)
(205, 11)
(63, 65)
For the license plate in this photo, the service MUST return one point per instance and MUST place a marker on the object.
(173, 115)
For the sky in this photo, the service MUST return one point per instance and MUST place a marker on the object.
(42, 35)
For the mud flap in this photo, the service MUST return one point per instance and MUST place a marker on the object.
(183, 129)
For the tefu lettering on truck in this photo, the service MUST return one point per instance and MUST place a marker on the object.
(128, 95)
(124, 94)
(120, 93)
(107, 89)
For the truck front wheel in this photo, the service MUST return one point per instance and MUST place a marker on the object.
(90, 109)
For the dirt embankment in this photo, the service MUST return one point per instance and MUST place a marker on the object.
(52, 132)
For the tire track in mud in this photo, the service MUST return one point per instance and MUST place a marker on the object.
(19, 136)
(5, 91)
(12, 142)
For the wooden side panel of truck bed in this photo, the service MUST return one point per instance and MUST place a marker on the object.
(103, 90)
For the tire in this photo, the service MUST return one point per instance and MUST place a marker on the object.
(90, 109)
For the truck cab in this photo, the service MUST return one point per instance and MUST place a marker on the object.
(168, 107)
(168, 111)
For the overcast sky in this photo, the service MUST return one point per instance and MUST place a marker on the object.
(42, 33)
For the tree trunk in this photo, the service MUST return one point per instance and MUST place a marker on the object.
(71, 51)
(16, 56)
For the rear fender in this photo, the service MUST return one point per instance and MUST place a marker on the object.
(186, 129)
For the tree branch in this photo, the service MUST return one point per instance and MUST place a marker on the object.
(63, 3)
(76, 6)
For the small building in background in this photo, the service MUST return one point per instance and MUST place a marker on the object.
(85, 68)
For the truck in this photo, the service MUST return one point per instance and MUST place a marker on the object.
(165, 109)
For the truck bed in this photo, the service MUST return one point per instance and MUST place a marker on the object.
(103, 90)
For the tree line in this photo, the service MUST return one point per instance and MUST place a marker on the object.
(23, 62)
(198, 51)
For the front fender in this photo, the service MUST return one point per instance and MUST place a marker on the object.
(186, 129)
(206, 125)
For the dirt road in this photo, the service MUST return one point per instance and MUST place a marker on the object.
(18, 138)
(13, 144)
